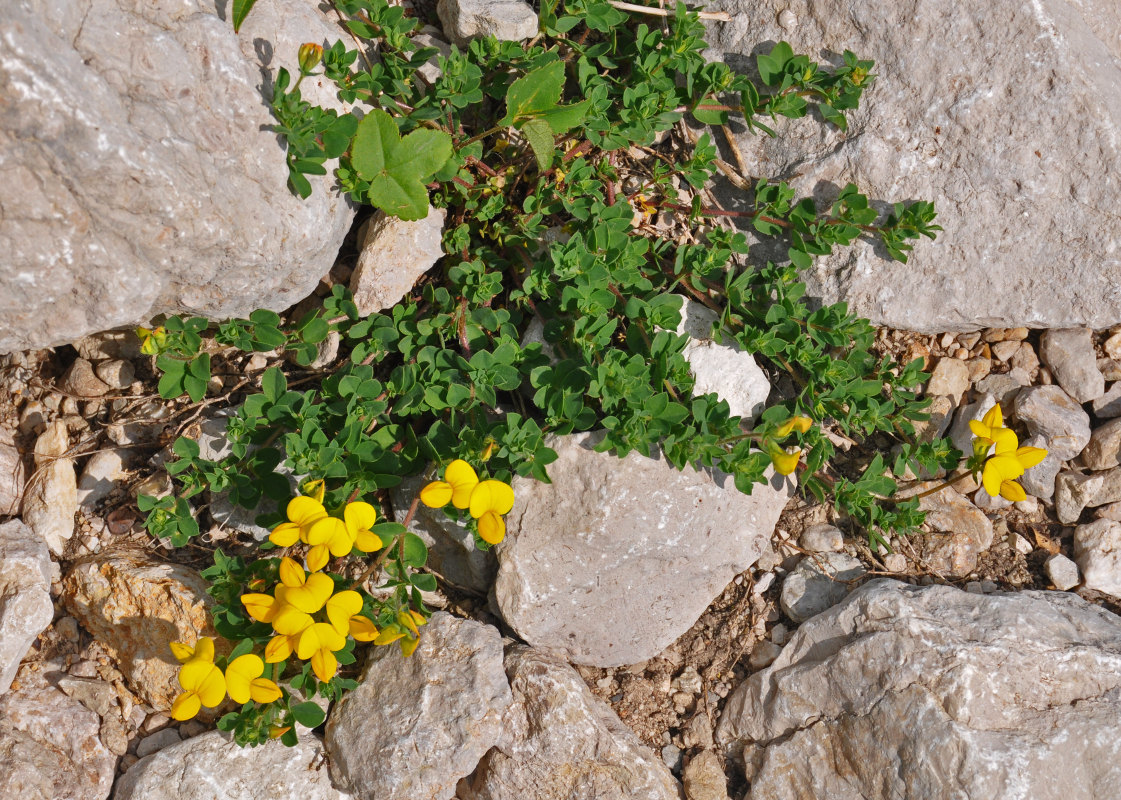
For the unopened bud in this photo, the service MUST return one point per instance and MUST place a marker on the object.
(310, 55)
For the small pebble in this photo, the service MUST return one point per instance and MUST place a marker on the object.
(993, 335)
(157, 741)
(779, 634)
(787, 20)
(764, 582)
(1003, 351)
(1112, 346)
(968, 340)
(989, 586)
(1021, 545)
(1062, 571)
(671, 756)
(764, 654)
(895, 562)
(974, 587)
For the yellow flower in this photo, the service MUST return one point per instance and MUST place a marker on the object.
(305, 592)
(341, 607)
(327, 535)
(360, 517)
(151, 341)
(990, 430)
(489, 501)
(363, 629)
(244, 681)
(261, 607)
(319, 643)
(281, 646)
(784, 459)
(459, 481)
(308, 56)
(800, 424)
(1009, 462)
(303, 512)
(202, 682)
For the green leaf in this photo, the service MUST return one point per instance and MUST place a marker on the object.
(771, 66)
(308, 714)
(540, 137)
(416, 551)
(239, 10)
(424, 582)
(536, 91)
(397, 168)
(564, 118)
(273, 384)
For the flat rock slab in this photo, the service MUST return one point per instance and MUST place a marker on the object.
(136, 606)
(563, 743)
(416, 725)
(25, 595)
(213, 767)
(931, 692)
(50, 749)
(982, 126)
(616, 558)
(142, 173)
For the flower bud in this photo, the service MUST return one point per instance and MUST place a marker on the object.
(310, 55)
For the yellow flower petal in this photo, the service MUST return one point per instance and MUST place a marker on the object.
(305, 510)
(292, 574)
(408, 646)
(436, 494)
(204, 679)
(493, 496)
(239, 673)
(785, 461)
(261, 607)
(182, 652)
(389, 634)
(310, 597)
(1005, 440)
(278, 649)
(285, 534)
(1010, 490)
(368, 542)
(326, 529)
(359, 516)
(492, 528)
(290, 621)
(324, 664)
(317, 557)
(341, 607)
(362, 629)
(320, 636)
(262, 690)
(341, 543)
(407, 621)
(185, 706)
(1030, 456)
(463, 480)
(994, 417)
(980, 430)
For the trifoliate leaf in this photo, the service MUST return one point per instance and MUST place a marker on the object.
(397, 168)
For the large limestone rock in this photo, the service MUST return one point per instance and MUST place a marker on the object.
(25, 595)
(136, 606)
(616, 558)
(416, 725)
(213, 767)
(1011, 125)
(141, 175)
(49, 747)
(910, 692)
(563, 742)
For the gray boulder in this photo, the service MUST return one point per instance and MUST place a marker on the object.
(616, 558)
(505, 20)
(141, 175)
(563, 742)
(25, 595)
(910, 692)
(982, 126)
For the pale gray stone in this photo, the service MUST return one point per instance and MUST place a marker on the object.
(12, 474)
(1069, 354)
(416, 725)
(1108, 405)
(1104, 449)
(722, 368)
(987, 502)
(50, 501)
(960, 125)
(1062, 571)
(950, 378)
(1025, 359)
(819, 582)
(505, 20)
(822, 538)
(633, 533)
(1039, 481)
(560, 741)
(931, 692)
(81, 380)
(431, 36)
(895, 562)
(451, 547)
(1073, 492)
(1110, 369)
(50, 747)
(326, 352)
(96, 695)
(1003, 351)
(1052, 413)
(25, 600)
(961, 531)
(1005, 385)
(157, 741)
(960, 434)
(102, 473)
(143, 174)
(109, 345)
(1097, 551)
(116, 374)
(763, 654)
(395, 253)
(213, 767)
(704, 777)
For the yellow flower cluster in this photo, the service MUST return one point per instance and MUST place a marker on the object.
(786, 459)
(205, 685)
(486, 501)
(292, 610)
(327, 536)
(1008, 461)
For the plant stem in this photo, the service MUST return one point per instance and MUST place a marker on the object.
(721, 16)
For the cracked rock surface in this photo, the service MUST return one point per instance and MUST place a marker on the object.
(931, 692)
